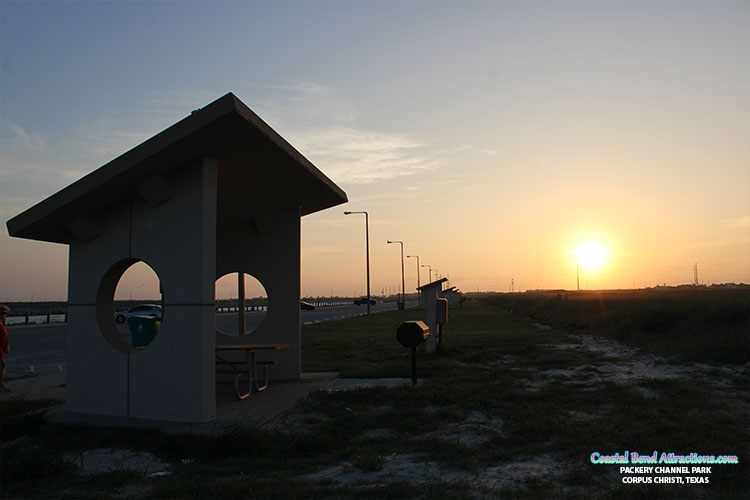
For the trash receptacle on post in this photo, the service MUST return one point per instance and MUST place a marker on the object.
(143, 329)
(410, 335)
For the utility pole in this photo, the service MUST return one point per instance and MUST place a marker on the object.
(695, 274)
(419, 292)
(367, 251)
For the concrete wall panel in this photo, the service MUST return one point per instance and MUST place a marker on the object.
(97, 372)
(172, 378)
(89, 261)
(176, 239)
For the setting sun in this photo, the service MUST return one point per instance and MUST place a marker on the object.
(590, 255)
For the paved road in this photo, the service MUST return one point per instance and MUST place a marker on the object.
(338, 312)
(36, 349)
(41, 349)
(228, 322)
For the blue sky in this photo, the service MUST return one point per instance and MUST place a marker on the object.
(492, 137)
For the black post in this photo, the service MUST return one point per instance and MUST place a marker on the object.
(439, 335)
(413, 366)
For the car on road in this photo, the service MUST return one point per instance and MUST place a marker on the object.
(306, 306)
(141, 310)
(363, 301)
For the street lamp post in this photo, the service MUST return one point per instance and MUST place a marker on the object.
(403, 282)
(242, 327)
(367, 252)
(418, 282)
(429, 271)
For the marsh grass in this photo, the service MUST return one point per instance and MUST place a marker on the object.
(477, 386)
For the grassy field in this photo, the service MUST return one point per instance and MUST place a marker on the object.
(513, 406)
(684, 323)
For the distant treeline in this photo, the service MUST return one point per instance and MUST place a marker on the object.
(682, 323)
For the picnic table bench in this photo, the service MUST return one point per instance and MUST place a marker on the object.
(239, 368)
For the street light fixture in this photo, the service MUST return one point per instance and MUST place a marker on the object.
(403, 282)
(429, 271)
(367, 250)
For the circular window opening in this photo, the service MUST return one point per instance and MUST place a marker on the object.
(229, 293)
(130, 305)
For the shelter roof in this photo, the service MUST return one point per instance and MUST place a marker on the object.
(259, 173)
(434, 283)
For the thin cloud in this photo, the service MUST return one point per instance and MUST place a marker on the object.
(28, 169)
(739, 222)
(320, 123)
(13, 135)
(322, 250)
(301, 104)
(298, 90)
(358, 156)
(34, 166)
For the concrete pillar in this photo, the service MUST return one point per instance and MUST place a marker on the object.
(430, 294)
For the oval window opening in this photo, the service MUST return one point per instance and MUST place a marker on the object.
(138, 305)
(228, 294)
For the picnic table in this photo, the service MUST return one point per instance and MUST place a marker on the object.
(238, 368)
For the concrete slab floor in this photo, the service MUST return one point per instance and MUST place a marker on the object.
(256, 410)
(51, 386)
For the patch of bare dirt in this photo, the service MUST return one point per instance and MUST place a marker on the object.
(514, 474)
(474, 431)
(411, 468)
(297, 422)
(103, 460)
(627, 365)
